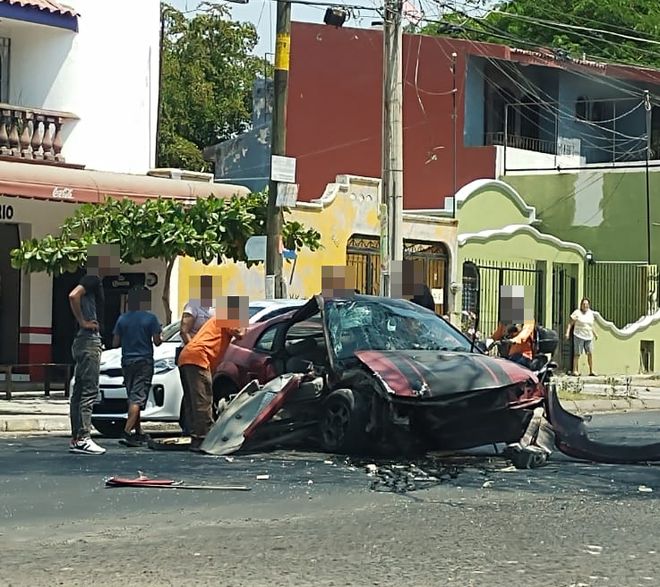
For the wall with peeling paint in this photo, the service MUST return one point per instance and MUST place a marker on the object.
(603, 210)
(348, 206)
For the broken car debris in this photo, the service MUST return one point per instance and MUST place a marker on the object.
(143, 481)
(372, 375)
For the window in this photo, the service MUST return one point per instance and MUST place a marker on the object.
(583, 108)
(4, 69)
(265, 342)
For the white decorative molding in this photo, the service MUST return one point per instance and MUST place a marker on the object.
(515, 229)
(628, 330)
(478, 185)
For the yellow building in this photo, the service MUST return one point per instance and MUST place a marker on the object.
(347, 217)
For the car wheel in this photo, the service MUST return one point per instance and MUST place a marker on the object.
(109, 428)
(222, 389)
(343, 421)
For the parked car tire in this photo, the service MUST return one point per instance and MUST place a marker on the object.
(109, 428)
(343, 422)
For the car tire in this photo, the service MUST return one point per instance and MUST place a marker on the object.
(109, 428)
(223, 388)
(343, 422)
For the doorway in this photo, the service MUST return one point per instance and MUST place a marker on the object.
(10, 296)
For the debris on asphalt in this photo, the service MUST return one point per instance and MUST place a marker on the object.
(402, 478)
(488, 484)
(263, 477)
(143, 481)
(644, 489)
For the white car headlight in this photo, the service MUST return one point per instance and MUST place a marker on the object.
(164, 365)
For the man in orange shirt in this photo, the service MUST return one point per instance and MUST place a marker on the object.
(522, 341)
(202, 355)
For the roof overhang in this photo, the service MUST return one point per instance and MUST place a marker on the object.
(44, 12)
(49, 182)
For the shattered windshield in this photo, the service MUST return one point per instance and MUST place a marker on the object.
(362, 324)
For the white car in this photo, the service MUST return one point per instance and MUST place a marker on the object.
(164, 400)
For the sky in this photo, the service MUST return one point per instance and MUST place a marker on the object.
(262, 14)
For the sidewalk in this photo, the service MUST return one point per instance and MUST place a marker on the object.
(32, 412)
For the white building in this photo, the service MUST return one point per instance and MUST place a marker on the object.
(78, 120)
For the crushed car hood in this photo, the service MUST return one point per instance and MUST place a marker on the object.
(438, 374)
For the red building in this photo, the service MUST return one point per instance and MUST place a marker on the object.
(334, 113)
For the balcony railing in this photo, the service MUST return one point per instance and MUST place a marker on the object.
(32, 134)
(519, 142)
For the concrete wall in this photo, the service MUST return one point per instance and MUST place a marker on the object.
(604, 211)
(106, 74)
(349, 206)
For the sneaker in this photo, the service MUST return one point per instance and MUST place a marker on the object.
(145, 438)
(132, 440)
(86, 446)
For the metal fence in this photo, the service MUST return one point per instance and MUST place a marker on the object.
(622, 292)
(481, 288)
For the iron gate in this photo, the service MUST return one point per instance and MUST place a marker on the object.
(481, 289)
(363, 253)
(564, 301)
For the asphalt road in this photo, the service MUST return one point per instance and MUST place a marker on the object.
(316, 521)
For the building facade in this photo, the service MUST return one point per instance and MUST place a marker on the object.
(78, 119)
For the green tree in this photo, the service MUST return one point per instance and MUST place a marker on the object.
(603, 27)
(207, 76)
(164, 229)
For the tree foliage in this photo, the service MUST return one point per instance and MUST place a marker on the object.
(163, 229)
(208, 72)
(529, 23)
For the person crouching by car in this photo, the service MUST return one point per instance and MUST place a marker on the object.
(135, 332)
(199, 359)
(521, 341)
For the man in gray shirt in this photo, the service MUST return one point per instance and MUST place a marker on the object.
(195, 314)
(87, 301)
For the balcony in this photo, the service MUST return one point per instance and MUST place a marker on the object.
(33, 134)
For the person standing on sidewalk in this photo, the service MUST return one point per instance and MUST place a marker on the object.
(195, 314)
(582, 325)
(202, 355)
(86, 301)
(135, 332)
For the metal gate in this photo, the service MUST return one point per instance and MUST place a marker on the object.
(433, 257)
(564, 301)
(621, 292)
(481, 289)
(363, 253)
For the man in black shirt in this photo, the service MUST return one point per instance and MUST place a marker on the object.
(87, 301)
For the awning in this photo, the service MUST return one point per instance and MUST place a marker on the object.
(45, 12)
(49, 182)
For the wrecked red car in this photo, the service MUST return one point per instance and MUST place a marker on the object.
(368, 373)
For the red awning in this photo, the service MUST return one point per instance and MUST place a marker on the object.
(49, 182)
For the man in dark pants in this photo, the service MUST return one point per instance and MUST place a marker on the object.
(195, 313)
(135, 332)
(201, 356)
(86, 301)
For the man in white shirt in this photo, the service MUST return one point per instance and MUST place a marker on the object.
(582, 324)
(195, 314)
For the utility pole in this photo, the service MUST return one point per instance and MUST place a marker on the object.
(392, 164)
(648, 108)
(274, 220)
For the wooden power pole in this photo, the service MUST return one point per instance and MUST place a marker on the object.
(392, 168)
(274, 219)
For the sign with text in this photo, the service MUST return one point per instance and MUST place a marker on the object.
(287, 195)
(283, 169)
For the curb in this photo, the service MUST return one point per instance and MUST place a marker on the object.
(34, 424)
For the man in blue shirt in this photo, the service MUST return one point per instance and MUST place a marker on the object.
(135, 331)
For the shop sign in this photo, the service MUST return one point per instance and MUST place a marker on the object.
(62, 193)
